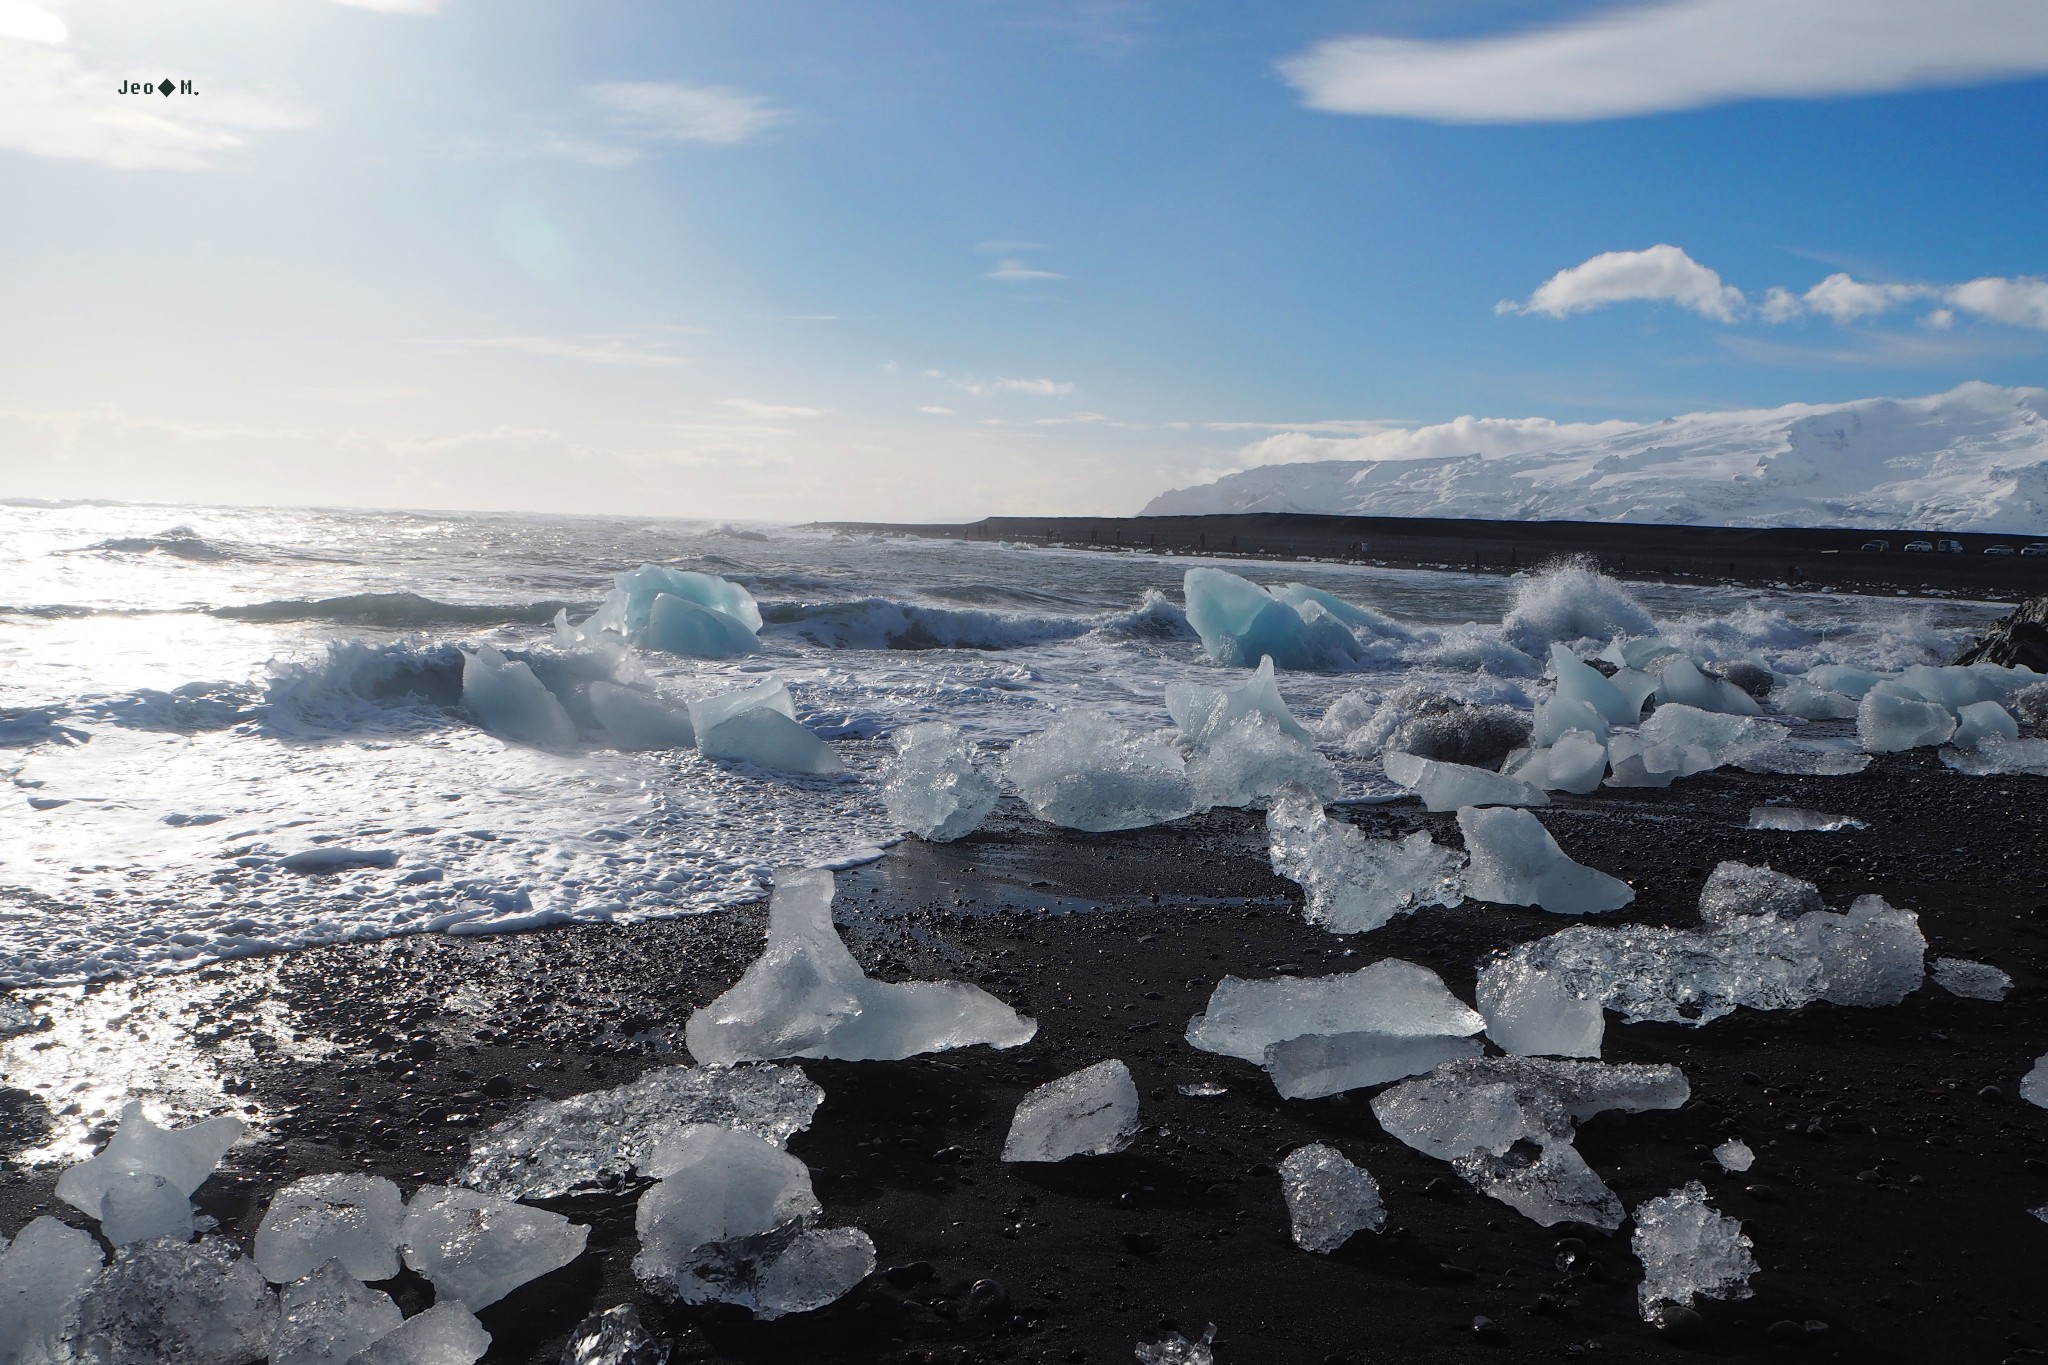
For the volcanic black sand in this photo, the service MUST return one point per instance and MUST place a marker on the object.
(1895, 1162)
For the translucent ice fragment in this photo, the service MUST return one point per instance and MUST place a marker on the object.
(636, 719)
(1689, 1248)
(184, 1157)
(2034, 1085)
(768, 739)
(139, 1206)
(329, 1316)
(163, 1301)
(1328, 1198)
(1558, 715)
(1798, 697)
(1299, 595)
(1244, 1018)
(589, 1142)
(42, 1276)
(1799, 818)
(1850, 682)
(629, 606)
(1532, 1013)
(805, 996)
(1995, 754)
(708, 713)
(508, 700)
(1516, 862)
(1351, 881)
(1251, 758)
(1580, 682)
(1092, 1112)
(1724, 738)
(1888, 722)
(1574, 763)
(1681, 681)
(446, 1334)
(478, 1248)
(341, 1217)
(936, 790)
(1239, 622)
(1084, 772)
(1735, 1156)
(615, 1336)
(1873, 955)
(1972, 980)
(1202, 713)
(1454, 786)
(1733, 889)
(1175, 1349)
(1982, 720)
(1319, 1064)
(677, 625)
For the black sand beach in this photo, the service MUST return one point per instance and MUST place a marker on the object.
(1889, 1199)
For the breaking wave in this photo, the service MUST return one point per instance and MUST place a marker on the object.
(1571, 600)
(400, 611)
(881, 623)
(180, 542)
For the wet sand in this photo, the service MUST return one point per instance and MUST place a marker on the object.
(1889, 1200)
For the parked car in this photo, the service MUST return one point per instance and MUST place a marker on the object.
(1919, 547)
(1949, 547)
(1877, 546)
(2039, 547)
(1998, 549)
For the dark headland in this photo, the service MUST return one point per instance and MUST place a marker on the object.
(1816, 557)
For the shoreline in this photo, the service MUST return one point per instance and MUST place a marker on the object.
(1894, 1190)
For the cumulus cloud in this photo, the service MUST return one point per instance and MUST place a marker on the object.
(1484, 436)
(2022, 301)
(1662, 273)
(2018, 301)
(669, 111)
(1680, 54)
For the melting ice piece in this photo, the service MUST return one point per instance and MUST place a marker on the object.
(1393, 997)
(936, 790)
(1092, 1112)
(508, 700)
(768, 739)
(1484, 1115)
(1798, 697)
(1560, 715)
(629, 607)
(1724, 738)
(1319, 1064)
(1085, 773)
(1532, 1013)
(1454, 786)
(805, 996)
(1574, 763)
(590, 1141)
(1239, 622)
(171, 1301)
(1735, 889)
(1202, 713)
(1581, 683)
(478, 1248)
(634, 719)
(1328, 1198)
(42, 1276)
(2034, 1085)
(676, 625)
(1983, 720)
(140, 1206)
(341, 1217)
(708, 713)
(184, 1157)
(1175, 1349)
(1735, 1156)
(446, 1334)
(1972, 980)
(1516, 862)
(329, 1316)
(1681, 681)
(1351, 881)
(614, 1337)
(1849, 681)
(1800, 819)
(1889, 723)
(1688, 1248)
(1299, 595)
(1251, 758)
(731, 1222)
(1995, 755)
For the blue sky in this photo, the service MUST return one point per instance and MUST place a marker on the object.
(921, 260)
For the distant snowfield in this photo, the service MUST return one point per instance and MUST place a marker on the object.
(1972, 459)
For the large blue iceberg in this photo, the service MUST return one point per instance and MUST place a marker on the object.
(699, 615)
(1239, 621)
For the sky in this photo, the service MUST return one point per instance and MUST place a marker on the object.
(890, 259)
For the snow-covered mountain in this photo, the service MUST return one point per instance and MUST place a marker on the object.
(1972, 459)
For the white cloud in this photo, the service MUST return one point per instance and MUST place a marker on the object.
(54, 105)
(2020, 301)
(597, 350)
(932, 411)
(1681, 54)
(1486, 436)
(2023, 301)
(769, 411)
(30, 23)
(1036, 388)
(1849, 300)
(1017, 268)
(1662, 273)
(668, 111)
(589, 151)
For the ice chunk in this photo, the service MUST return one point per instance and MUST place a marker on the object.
(1687, 1248)
(805, 996)
(1733, 889)
(1175, 1349)
(446, 1334)
(1251, 758)
(340, 1217)
(1724, 738)
(1636, 762)
(1575, 763)
(1085, 773)
(1997, 755)
(1874, 955)
(329, 1316)
(1888, 722)
(708, 713)
(1532, 1013)
(1202, 713)
(614, 1337)
(1092, 1112)
(2034, 1085)
(629, 606)
(936, 790)
(1681, 681)
(1735, 1156)
(1982, 720)
(1516, 862)
(1452, 786)
(634, 719)
(1797, 818)
(591, 1141)
(768, 739)
(1849, 681)
(1239, 621)
(478, 1248)
(1328, 1198)
(1299, 595)
(506, 698)
(1353, 882)
(1559, 715)
(42, 1276)
(1972, 980)
(184, 1157)
(140, 1206)
(1582, 685)
(677, 625)
(1798, 697)
(731, 1222)
(1506, 1123)
(197, 1304)
(1244, 1018)
(1319, 1064)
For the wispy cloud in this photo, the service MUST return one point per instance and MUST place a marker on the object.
(750, 407)
(931, 410)
(1661, 273)
(1680, 54)
(590, 350)
(1879, 350)
(1017, 268)
(670, 111)
(1483, 436)
(1036, 388)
